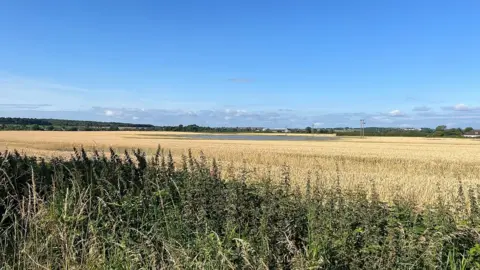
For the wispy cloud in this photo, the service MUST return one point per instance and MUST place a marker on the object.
(382, 119)
(422, 109)
(17, 106)
(461, 108)
(62, 96)
(240, 80)
(24, 82)
(18, 93)
(430, 100)
(410, 99)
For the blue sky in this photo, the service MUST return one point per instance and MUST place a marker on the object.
(243, 63)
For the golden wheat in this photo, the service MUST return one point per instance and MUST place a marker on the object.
(416, 167)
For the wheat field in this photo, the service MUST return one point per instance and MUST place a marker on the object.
(418, 168)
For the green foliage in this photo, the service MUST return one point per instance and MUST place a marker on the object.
(129, 212)
(24, 121)
(440, 131)
(36, 127)
(113, 128)
(441, 128)
(397, 132)
(9, 123)
(74, 125)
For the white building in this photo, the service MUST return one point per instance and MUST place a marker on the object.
(472, 134)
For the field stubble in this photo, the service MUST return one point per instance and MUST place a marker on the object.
(417, 168)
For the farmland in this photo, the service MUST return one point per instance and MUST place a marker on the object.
(419, 168)
(327, 204)
(196, 203)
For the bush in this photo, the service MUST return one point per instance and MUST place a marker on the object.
(36, 127)
(124, 212)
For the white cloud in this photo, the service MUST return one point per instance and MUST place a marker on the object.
(461, 108)
(396, 113)
(275, 118)
(234, 112)
(240, 112)
(318, 124)
(109, 113)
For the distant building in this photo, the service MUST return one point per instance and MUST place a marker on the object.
(275, 130)
(472, 134)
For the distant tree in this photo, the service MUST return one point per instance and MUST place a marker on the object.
(192, 128)
(441, 128)
(50, 128)
(113, 128)
(36, 127)
(452, 132)
(468, 129)
(308, 129)
(427, 130)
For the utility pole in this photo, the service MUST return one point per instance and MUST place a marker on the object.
(362, 128)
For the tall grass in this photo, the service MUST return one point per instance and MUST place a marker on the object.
(129, 212)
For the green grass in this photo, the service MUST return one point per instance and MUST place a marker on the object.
(132, 213)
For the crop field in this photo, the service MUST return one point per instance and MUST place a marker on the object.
(418, 168)
(133, 211)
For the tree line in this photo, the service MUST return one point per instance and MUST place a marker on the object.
(9, 123)
(439, 131)
(14, 123)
